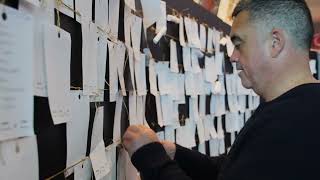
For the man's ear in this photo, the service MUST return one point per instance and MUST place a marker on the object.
(278, 42)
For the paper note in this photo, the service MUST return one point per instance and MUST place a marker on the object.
(101, 167)
(128, 170)
(140, 110)
(169, 134)
(208, 125)
(114, 6)
(160, 135)
(85, 10)
(113, 68)
(133, 108)
(131, 4)
(210, 70)
(97, 130)
(185, 135)
(102, 14)
(186, 58)
(195, 55)
(16, 67)
(89, 58)
(140, 75)
(131, 66)
(117, 119)
(101, 70)
(77, 128)
(179, 96)
(152, 12)
(214, 147)
(173, 57)
(162, 15)
(201, 132)
(163, 73)
(19, 159)
(203, 37)
(194, 109)
(57, 59)
(62, 7)
(136, 33)
(181, 33)
(209, 41)
(159, 110)
(166, 107)
(111, 154)
(216, 40)
(83, 171)
(313, 66)
(153, 77)
(34, 2)
(192, 30)
(41, 16)
(202, 148)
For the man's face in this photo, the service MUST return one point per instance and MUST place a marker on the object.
(249, 52)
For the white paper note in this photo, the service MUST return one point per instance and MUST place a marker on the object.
(202, 148)
(195, 55)
(111, 154)
(214, 147)
(131, 4)
(159, 110)
(151, 11)
(181, 32)
(114, 6)
(169, 134)
(140, 110)
(173, 57)
(62, 8)
(102, 14)
(19, 159)
(84, 8)
(185, 135)
(140, 75)
(34, 2)
(158, 13)
(101, 63)
(192, 30)
(83, 171)
(136, 33)
(89, 58)
(77, 128)
(209, 41)
(57, 59)
(160, 135)
(203, 37)
(101, 167)
(132, 108)
(153, 77)
(167, 111)
(117, 119)
(210, 70)
(16, 67)
(97, 130)
(201, 131)
(41, 16)
(186, 59)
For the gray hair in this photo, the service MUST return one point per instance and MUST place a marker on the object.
(293, 16)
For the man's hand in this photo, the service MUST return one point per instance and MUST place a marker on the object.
(170, 148)
(137, 136)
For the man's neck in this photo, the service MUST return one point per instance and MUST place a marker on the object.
(285, 83)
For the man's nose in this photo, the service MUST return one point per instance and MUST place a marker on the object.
(234, 57)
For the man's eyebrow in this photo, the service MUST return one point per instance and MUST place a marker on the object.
(235, 38)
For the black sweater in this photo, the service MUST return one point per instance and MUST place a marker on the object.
(279, 142)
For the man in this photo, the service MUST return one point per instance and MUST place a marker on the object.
(280, 141)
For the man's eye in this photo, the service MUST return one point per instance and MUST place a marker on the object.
(237, 46)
